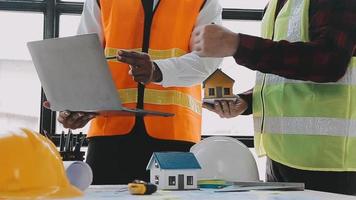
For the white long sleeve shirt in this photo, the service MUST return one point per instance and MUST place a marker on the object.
(187, 70)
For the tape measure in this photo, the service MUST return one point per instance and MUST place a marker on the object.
(138, 187)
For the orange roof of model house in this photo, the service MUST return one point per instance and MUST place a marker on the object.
(218, 85)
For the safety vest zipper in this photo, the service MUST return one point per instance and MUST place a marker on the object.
(263, 104)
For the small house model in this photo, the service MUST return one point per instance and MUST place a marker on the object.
(174, 170)
(218, 86)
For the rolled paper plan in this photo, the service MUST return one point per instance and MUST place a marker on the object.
(79, 174)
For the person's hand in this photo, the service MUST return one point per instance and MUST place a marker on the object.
(72, 120)
(142, 68)
(214, 41)
(227, 109)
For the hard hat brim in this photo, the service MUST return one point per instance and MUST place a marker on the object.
(51, 192)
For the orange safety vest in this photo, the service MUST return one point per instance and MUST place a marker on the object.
(172, 25)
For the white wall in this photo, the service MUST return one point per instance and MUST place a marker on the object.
(166, 173)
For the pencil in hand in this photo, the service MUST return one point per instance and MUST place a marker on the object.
(111, 57)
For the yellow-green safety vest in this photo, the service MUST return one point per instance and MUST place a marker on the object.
(303, 124)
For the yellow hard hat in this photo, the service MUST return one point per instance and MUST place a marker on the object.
(31, 167)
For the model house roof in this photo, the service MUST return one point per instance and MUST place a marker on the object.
(174, 160)
(218, 71)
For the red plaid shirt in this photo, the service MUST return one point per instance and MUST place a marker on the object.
(324, 59)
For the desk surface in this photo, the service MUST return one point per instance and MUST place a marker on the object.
(118, 192)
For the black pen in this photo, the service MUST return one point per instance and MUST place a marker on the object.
(66, 149)
(111, 57)
(61, 142)
(71, 142)
(78, 144)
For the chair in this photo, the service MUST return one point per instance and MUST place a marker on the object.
(225, 158)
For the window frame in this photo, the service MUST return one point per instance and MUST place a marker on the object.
(52, 9)
(172, 181)
(227, 91)
(156, 179)
(156, 164)
(190, 180)
(211, 91)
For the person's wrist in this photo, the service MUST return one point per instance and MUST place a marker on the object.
(233, 43)
(242, 101)
(157, 73)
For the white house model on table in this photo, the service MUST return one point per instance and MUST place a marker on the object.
(174, 170)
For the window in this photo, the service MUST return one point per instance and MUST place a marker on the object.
(22, 106)
(238, 21)
(243, 4)
(157, 180)
(171, 180)
(189, 180)
(156, 164)
(68, 25)
(226, 91)
(19, 85)
(244, 80)
(211, 91)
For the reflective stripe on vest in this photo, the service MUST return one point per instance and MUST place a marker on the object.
(292, 125)
(123, 25)
(303, 124)
(154, 54)
(162, 97)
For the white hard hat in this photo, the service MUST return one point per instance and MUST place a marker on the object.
(225, 158)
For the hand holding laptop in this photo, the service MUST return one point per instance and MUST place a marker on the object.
(72, 120)
(75, 76)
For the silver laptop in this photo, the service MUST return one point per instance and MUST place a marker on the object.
(75, 76)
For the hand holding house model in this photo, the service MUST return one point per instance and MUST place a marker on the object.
(218, 86)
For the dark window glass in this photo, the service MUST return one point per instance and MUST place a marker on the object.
(156, 180)
(211, 92)
(189, 180)
(226, 91)
(171, 180)
(156, 164)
